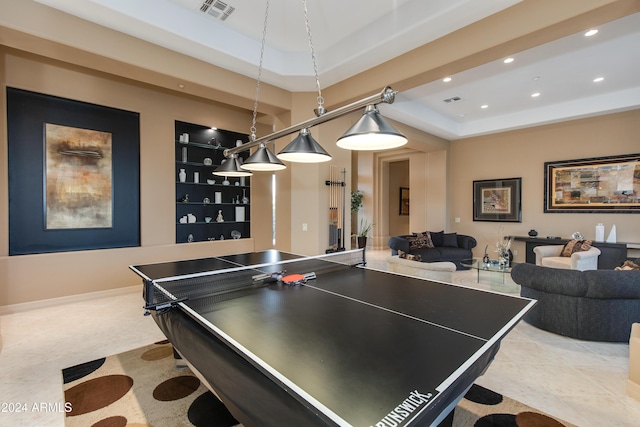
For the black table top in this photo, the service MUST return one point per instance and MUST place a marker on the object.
(356, 343)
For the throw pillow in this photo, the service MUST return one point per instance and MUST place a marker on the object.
(437, 238)
(410, 257)
(420, 242)
(450, 239)
(574, 246)
(629, 265)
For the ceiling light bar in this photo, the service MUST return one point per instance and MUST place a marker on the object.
(387, 95)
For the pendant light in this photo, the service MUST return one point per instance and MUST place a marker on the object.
(263, 160)
(304, 149)
(231, 167)
(371, 132)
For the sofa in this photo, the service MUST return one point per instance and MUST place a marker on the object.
(451, 247)
(592, 305)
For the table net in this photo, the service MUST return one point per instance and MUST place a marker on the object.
(234, 281)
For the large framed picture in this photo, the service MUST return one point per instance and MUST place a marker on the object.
(595, 185)
(74, 175)
(497, 200)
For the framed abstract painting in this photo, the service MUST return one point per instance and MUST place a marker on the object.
(497, 200)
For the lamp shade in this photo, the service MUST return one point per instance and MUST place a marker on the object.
(371, 132)
(263, 160)
(231, 168)
(304, 149)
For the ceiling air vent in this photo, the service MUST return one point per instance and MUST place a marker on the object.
(452, 100)
(228, 12)
(205, 5)
(217, 9)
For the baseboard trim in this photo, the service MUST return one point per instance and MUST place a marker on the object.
(633, 389)
(53, 302)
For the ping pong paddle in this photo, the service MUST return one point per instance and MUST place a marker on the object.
(294, 279)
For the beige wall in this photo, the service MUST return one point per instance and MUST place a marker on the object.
(35, 277)
(522, 153)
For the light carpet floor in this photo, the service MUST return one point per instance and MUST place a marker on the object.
(143, 387)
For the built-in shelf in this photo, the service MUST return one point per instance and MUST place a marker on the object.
(191, 157)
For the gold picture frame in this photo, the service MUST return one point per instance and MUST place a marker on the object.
(595, 185)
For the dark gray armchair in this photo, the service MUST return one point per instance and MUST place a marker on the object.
(594, 305)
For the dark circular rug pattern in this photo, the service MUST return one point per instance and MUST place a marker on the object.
(140, 388)
(482, 407)
(145, 388)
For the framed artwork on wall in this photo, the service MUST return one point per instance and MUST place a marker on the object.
(497, 200)
(596, 185)
(74, 175)
(404, 201)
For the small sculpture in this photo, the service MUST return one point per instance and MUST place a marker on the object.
(219, 218)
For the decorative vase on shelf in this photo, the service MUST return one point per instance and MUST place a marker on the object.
(245, 199)
(182, 175)
(184, 154)
(219, 218)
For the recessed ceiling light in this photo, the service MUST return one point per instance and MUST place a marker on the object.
(508, 60)
(181, 86)
(535, 94)
(591, 33)
(598, 79)
(214, 128)
(446, 79)
(484, 106)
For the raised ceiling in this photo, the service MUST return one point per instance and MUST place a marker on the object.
(352, 36)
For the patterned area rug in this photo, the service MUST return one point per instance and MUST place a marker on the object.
(143, 388)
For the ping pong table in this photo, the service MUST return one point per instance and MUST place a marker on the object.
(352, 346)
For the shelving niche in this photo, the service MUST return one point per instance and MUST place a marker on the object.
(208, 195)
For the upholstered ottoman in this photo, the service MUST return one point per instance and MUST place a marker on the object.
(440, 271)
